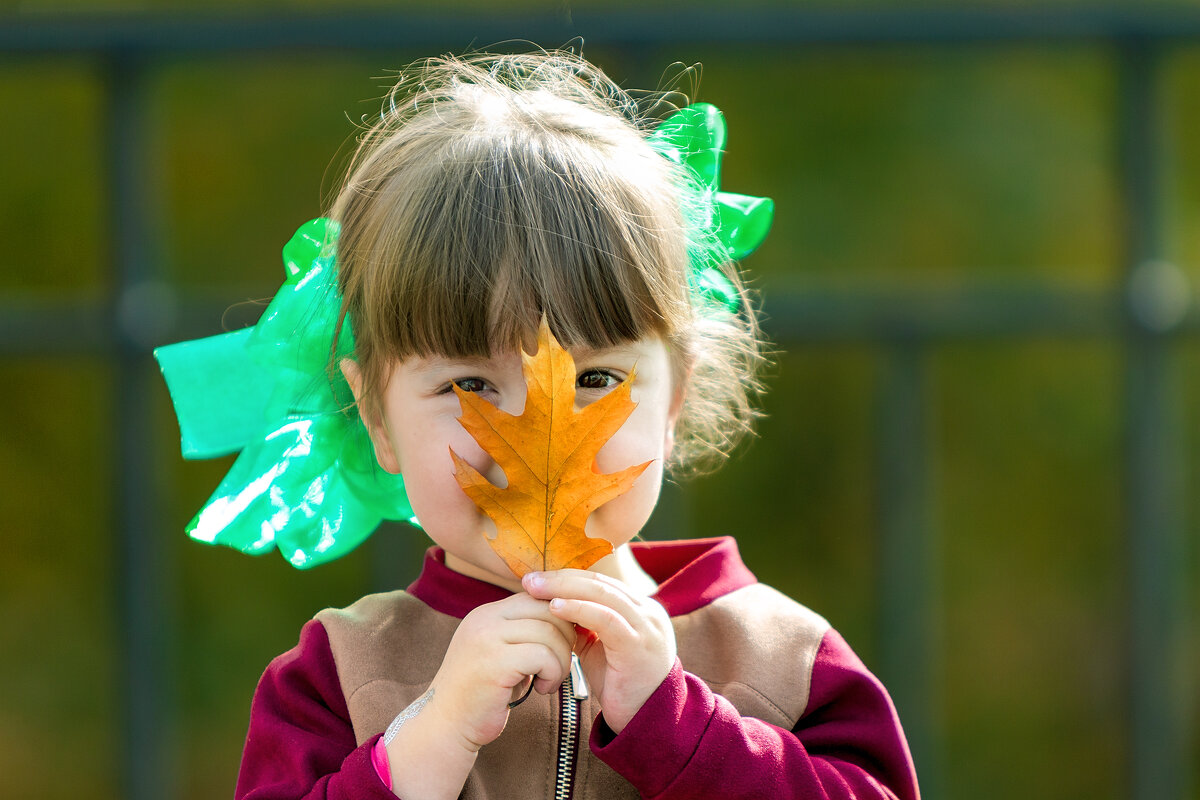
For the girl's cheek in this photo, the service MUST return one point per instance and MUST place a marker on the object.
(465, 446)
(467, 449)
(426, 444)
(621, 519)
(642, 438)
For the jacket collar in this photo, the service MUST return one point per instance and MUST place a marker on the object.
(690, 574)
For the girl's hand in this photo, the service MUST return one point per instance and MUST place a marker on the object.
(627, 646)
(491, 656)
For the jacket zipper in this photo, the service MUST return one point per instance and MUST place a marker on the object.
(573, 689)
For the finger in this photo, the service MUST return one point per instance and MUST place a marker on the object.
(557, 577)
(605, 623)
(523, 606)
(590, 587)
(548, 666)
(555, 632)
(520, 605)
(536, 639)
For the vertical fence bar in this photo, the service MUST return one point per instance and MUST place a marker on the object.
(138, 558)
(1154, 447)
(908, 557)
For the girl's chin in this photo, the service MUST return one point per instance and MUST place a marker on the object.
(493, 570)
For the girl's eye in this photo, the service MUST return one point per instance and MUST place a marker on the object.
(596, 379)
(468, 385)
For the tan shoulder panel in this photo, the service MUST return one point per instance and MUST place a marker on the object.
(387, 648)
(756, 647)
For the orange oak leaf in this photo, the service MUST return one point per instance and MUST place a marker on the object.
(548, 454)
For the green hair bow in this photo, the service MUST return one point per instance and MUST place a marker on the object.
(306, 480)
(724, 226)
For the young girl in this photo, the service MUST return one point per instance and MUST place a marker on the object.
(493, 192)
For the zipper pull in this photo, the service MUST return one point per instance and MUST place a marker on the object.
(579, 687)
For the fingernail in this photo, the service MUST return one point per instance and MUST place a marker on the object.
(556, 603)
(535, 579)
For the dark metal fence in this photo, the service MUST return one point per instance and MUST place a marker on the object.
(905, 326)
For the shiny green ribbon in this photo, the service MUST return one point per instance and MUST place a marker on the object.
(724, 226)
(306, 481)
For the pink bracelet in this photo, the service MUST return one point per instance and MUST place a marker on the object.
(383, 767)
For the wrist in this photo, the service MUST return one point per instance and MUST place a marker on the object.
(618, 715)
(447, 725)
(428, 757)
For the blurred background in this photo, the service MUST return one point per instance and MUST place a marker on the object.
(978, 460)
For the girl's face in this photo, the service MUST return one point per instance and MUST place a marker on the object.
(419, 426)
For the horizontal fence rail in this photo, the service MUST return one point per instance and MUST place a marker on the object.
(733, 25)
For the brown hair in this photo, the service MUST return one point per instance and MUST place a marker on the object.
(498, 188)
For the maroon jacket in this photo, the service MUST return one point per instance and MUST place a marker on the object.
(765, 700)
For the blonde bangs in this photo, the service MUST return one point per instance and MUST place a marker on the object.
(460, 244)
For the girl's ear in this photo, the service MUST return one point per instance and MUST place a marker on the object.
(385, 454)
